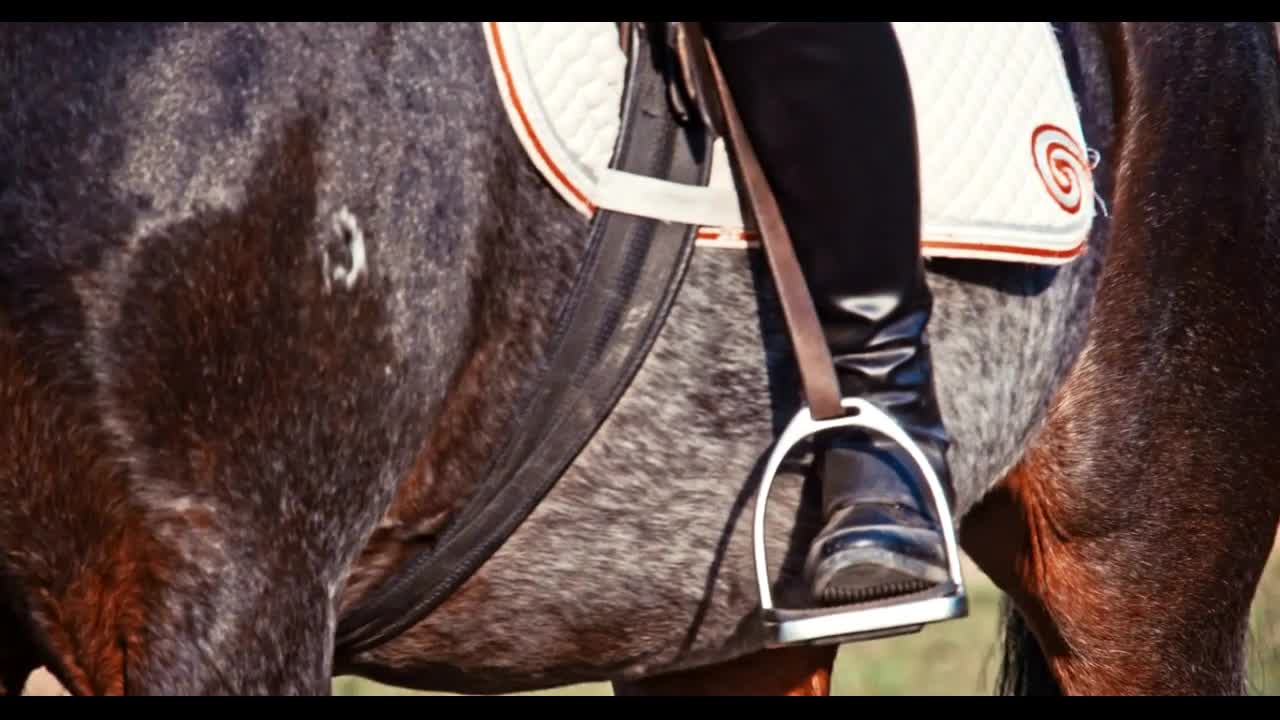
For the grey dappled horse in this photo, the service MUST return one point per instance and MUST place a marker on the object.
(269, 295)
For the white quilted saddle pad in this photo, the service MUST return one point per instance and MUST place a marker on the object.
(1004, 171)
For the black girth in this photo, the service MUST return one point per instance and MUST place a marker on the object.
(633, 267)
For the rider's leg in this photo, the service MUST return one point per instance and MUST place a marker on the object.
(828, 109)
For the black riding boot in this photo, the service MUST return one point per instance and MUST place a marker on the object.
(829, 111)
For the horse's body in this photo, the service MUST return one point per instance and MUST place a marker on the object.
(211, 443)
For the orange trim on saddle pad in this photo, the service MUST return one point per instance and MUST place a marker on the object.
(735, 239)
(529, 136)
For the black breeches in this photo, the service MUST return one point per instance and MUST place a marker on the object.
(829, 110)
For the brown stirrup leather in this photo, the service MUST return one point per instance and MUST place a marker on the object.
(698, 78)
(817, 369)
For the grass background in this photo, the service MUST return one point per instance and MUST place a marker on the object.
(959, 657)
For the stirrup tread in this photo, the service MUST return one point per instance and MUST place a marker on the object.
(871, 620)
(857, 596)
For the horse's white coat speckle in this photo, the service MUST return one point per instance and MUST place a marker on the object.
(345, 224)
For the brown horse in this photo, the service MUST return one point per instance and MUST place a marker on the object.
(274, 301)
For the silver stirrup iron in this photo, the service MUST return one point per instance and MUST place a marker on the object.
(882, 618)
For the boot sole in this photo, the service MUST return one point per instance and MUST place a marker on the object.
(866, 575)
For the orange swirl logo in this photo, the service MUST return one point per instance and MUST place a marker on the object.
(1060, 164)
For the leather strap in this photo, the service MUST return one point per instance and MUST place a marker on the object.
(624, 36)
(630, 275)
(813, 356)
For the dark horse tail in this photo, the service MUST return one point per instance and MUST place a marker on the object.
(1195, 105)
(1023, 669)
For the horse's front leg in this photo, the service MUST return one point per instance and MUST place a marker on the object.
(187, 609)
(253, 627)
(261, 397)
